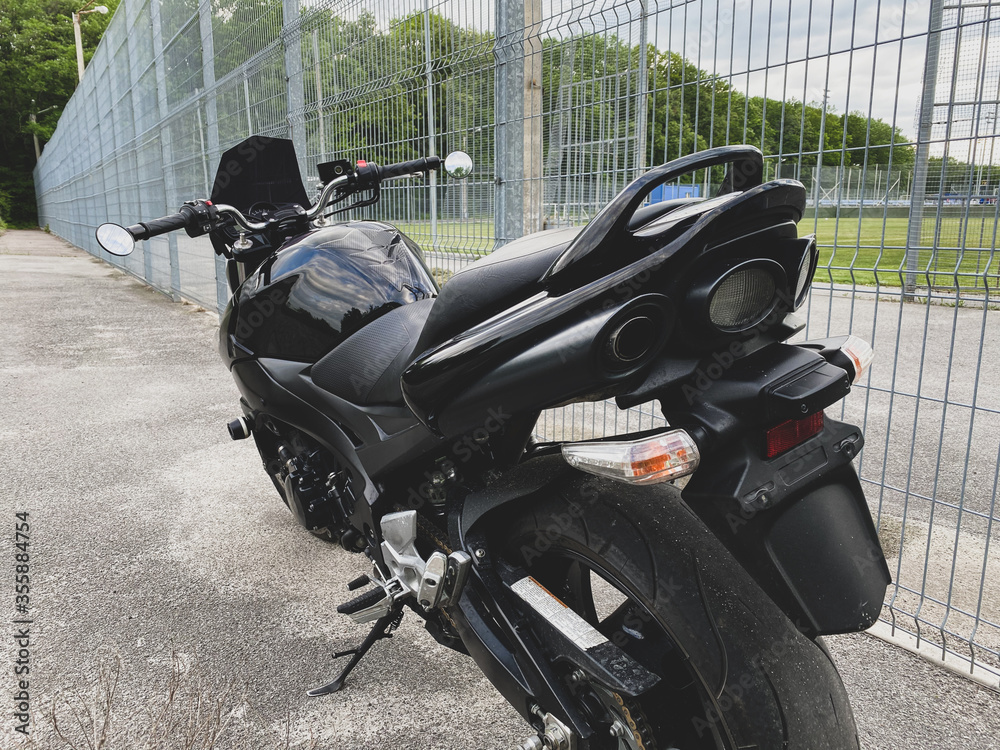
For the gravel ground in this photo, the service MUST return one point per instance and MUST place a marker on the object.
(159, 547)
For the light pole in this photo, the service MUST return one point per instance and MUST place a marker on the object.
(102, 9)
(34, 118)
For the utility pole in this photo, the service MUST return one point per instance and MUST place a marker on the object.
(34, 119)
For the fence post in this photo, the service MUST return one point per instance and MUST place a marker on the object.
(166, 152)
(291, 35)
(431, 124)
(643, 86)
(211, 153)
(518, 55)
(924, 134)
(318, 80)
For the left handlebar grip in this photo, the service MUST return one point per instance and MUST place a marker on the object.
(146, 229)
(426, 164)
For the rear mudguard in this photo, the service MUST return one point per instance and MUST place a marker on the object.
(816, 556)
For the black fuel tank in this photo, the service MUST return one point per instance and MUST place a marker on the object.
(311, 294)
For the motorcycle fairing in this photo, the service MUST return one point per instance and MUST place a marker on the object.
(259, 170)
(431, 383)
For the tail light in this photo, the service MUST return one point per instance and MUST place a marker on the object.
(669, 455)
(742, 299)
(794, 432)
(738, 297)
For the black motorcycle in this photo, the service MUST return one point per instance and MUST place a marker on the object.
(660, 589)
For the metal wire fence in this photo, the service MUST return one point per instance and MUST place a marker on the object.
(886, 111)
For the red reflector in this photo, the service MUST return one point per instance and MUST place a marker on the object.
(793, 432)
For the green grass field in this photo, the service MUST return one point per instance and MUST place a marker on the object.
(861, 252)
(869, 251)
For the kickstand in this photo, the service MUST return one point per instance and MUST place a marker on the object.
(382, 628)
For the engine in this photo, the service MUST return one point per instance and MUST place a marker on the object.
(310, 481)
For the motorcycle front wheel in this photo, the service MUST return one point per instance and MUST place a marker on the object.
(639, 566)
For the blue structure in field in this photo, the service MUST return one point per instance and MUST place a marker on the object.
(670, 192)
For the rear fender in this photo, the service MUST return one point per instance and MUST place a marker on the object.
(816, 554)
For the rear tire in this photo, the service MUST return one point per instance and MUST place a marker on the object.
(735, 671)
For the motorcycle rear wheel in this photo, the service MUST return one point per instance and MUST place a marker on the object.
(642, 568)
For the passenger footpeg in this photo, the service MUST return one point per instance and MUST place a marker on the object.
(436, 581)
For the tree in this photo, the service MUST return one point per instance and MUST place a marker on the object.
(372, 79)
(37, 62)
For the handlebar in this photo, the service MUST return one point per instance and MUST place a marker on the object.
(369, 175)
(196, 217)
(201, 216)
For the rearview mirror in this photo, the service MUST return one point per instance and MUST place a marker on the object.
(115, 239)
(458, 164)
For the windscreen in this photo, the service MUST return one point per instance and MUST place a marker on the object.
(259, 170)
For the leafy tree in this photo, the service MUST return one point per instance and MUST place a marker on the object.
(37, 62)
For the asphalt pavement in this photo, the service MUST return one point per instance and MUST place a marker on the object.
(163, 563)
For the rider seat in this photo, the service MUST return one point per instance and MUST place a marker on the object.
(366, 367)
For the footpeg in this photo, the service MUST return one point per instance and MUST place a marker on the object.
(358, 583)
(374, 603)
(366, 600)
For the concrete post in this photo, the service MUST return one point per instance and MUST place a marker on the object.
(924, 132)
(518, 95)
